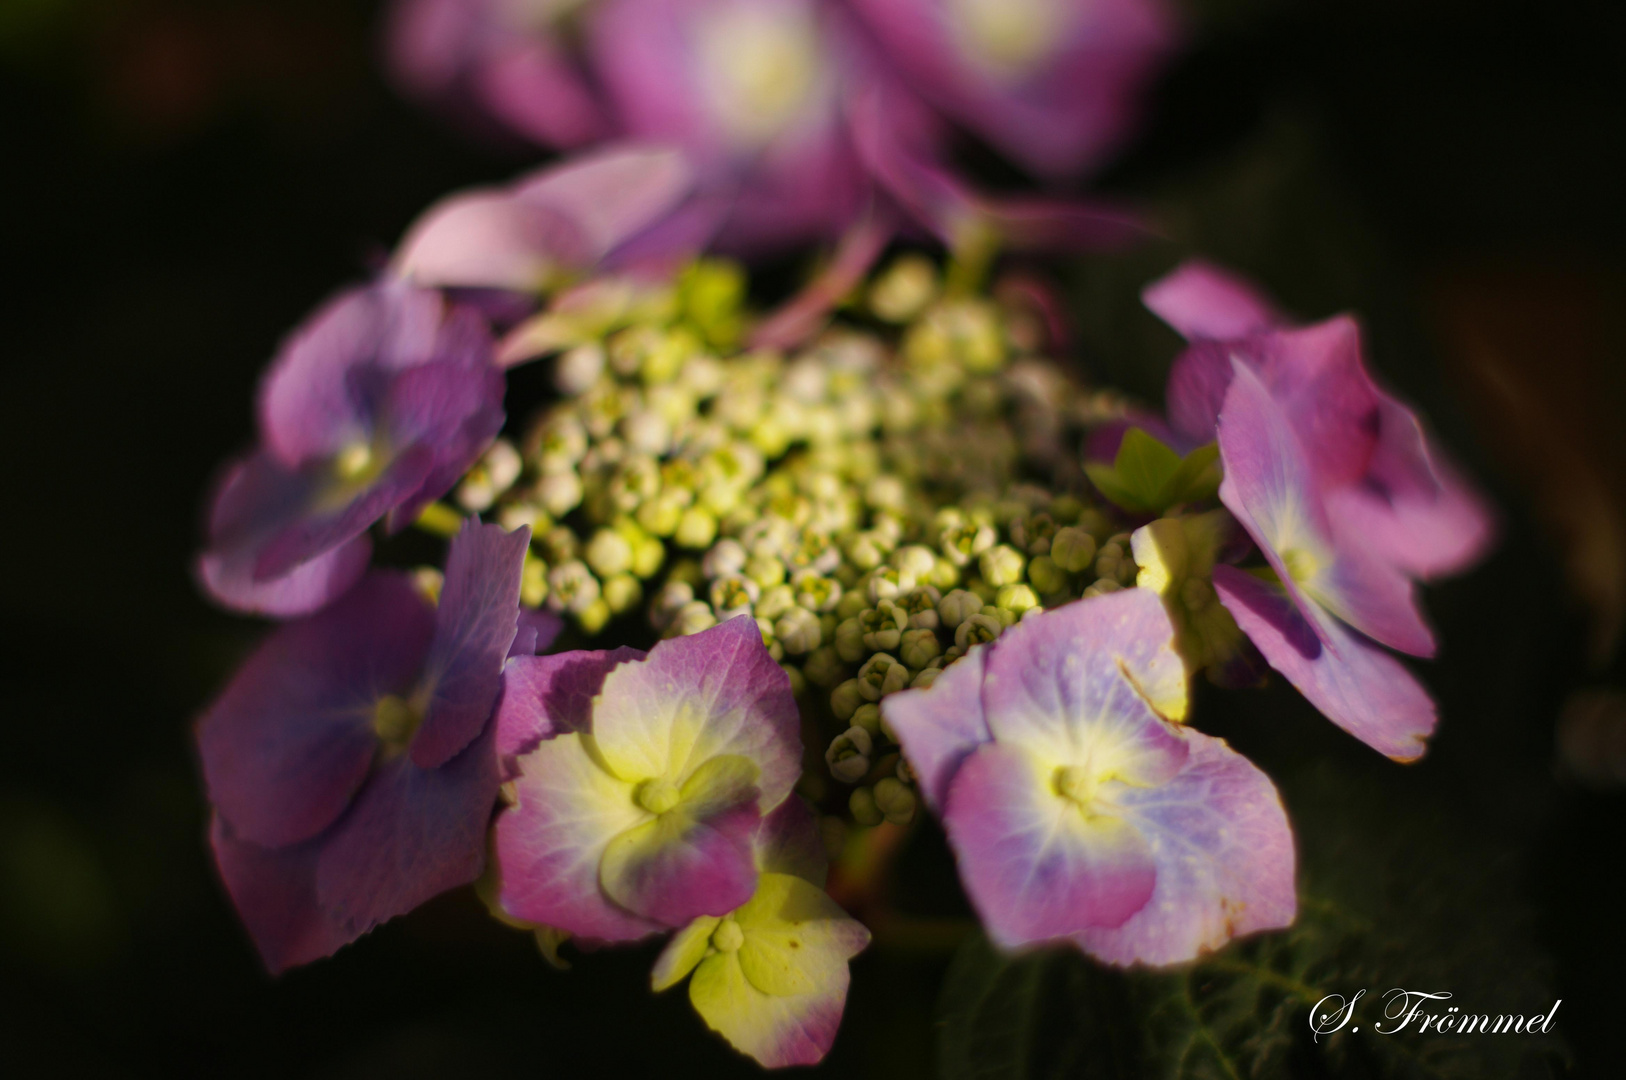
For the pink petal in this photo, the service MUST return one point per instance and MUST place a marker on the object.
(675, 868)
(1035, 868)
(940, 726)
(1202, 302)
(544, 696)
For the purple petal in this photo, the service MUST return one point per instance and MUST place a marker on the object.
(1202, 302)
(715, 693)
(1413, 509)
(550, 842)
(1057, 111)
(1196, 388)
(314, 401)
(537, 629)
(311, 529)
(1224, 855)
(1354, 683)
(676, 868)
(474, 626)
(1035, 866)
(788, 842)
(939, 727)
(1270, 487)
(274, 891)
(290, 740)
(531, 85)
(613, 193)
(544, 696)
(1073, 679)
(308, 587)
(487, 238)
(410, 835)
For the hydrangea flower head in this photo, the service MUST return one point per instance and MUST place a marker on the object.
(1383, 479)
(771, 976)
(371, 410)
(1076, 811)
(350, 761)
(1332, 598)
(639, 812)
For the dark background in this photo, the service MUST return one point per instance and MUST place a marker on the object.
(181, 181)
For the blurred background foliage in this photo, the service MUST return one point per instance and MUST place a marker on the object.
(184, 179)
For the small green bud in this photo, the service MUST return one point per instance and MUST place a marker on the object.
(816, 592)
(669, 601)
(798, 681)
(623, 592)
(608, 553)
(1017, 598)
(559, 493)
(733, 595)
(848, 755)
(648, 554)
(849, 641)
(845, 699)
(798, 630)
(921, 605)
(924, 680)
(725, 557)
(775, 602)
(862, 804)
(965, 542)
(887, 583)
(696, 529)
(533, 581)
(868, 717)
(572, 587)
(824, 666)
(1066, 508)
(919, 647)
(594, 616)
(662, 514)
(904, 290)
(881, 675)
(915, 559)
(957, 607)
(1102, 587)
(1047, 577)
(883, 626)
(977, 630)
(765, 570)
(692, 618)
(896, 800)
(863, 551)
(853, 600)
(1001, 565)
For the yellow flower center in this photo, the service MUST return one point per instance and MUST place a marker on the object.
(395, 721)
(728, 937)
(762, 67)
(353, 462)
(1077, 784)
(658, 795)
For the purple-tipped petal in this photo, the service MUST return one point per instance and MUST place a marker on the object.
(1202, 302)
(788, 842)
(317, 396)
(1270, 486)
(274, 891)
(410, 835)
(537, 631)
(290, 740)
(474, 627)
(1195, 392)
(308, 587)
(695, 698)
(676, 868)
(1035, 866)
(550, 843)
(613, 193)
(940, 726)
(1354, 683)
(1073, 683)
(534, 88)
(1224, 855)
(544, 696)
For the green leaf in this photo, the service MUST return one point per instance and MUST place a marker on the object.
(1148, 477)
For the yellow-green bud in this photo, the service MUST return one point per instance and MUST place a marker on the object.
(594, 616)
(733, 595)
(957, 607)
(559, 492)
(921, 605)
(924, 680)
(976, 630)
(662, 514)
(1102, 587)
(667, 603)
(622, 593)
(647, 555)
(868, 717)
(692, 618)
(849, 755)
(881, 675)
(1001, 565)
(824, 666)
(965, 542)
(915, 559)
(572, 587)
(845, 699)
(1047, 577)
(852, 602)
(896, 800)
(816, 592)
(919, 647)
(765, 570)
(608, 553)
(1017, 598)
(533, 581)
(904, 289)
(775, 602)
(1072, 549)
(798, 630)
(863, 551)
(849, 641)
(862, 804)
(727, 556)
(696, 529)
(887, 583)
(883, 626)
(798, 681)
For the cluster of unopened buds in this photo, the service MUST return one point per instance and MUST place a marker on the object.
(902, 560)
